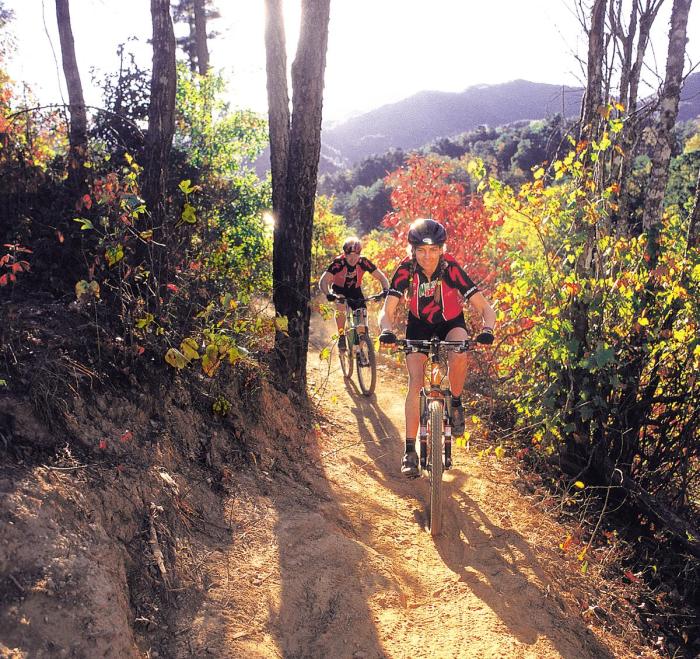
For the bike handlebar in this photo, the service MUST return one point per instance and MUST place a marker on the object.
(420, 345)
(370, 298)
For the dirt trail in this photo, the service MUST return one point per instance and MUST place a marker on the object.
(338, 563)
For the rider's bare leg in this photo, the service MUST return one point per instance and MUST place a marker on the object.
(415, 363)
(340, 317)
(457, 362)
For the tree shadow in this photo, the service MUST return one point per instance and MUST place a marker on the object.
(497, 564)
(501, 569)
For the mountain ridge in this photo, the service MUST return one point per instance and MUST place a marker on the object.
(428, 115)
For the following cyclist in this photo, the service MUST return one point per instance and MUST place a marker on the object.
(436, 287)
(344, 277)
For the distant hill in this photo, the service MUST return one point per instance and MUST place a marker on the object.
(428, 115)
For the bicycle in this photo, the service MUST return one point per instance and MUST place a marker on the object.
(435, 431)
(360, 348)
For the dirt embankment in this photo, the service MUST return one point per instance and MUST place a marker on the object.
(163, 530)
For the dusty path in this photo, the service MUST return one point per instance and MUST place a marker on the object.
(340, 564)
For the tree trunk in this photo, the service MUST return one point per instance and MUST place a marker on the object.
(161, 113)
(694, 222)
(200, 34)
(294, 152)
(593, 98)
(661, 157)
(629, 89)
(77, 136)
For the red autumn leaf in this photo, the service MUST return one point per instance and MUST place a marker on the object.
(87, 201)
(173, 288)
(631, 576)
(103, 444)
(127, 436)
(4, 280)
(140, 350)
(5, 259)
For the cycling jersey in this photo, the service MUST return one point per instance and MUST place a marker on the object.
(346, 276)
(455, 287)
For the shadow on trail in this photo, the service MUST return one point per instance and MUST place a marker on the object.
(497, 564)
(494, 562)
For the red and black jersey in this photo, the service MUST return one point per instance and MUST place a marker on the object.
(455, 287)
(346, 276)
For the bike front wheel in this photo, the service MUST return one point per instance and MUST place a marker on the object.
(435, 458)
(366, 365)
(346, 360)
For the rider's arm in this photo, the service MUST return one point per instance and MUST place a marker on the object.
(325, 282)
(381, 278)
(386, 315)
(488, 315)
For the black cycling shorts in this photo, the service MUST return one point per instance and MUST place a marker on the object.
(356, 298)
(419, 330)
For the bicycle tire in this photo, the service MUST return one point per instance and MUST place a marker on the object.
(435, 458)
(366, 365)
(347, 360)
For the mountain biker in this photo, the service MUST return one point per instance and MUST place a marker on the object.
(436, 287)
(344, 277)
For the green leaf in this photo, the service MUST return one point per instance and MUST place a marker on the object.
(85, 223)
(282, 324)
(144, 322)
(188, 214)
(186, 186)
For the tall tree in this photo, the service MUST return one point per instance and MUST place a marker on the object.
(77, 135)
(197, 14)
(593, 98)
(670, 95)
(295, 146)
(161, 113)
(200, 35)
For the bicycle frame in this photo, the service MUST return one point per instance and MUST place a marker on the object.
(435, 430)
(359, 346)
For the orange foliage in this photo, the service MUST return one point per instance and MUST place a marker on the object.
(425, 187)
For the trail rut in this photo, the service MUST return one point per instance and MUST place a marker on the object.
(336, 562)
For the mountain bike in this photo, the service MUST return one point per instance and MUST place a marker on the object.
(360, 347)
(435, 431)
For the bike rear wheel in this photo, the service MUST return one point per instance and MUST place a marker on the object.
(346, 358)
(366, 365)
(435, 448)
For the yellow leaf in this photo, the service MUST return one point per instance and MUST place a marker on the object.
(190, 349)
(500, 452)
(146, 235)
(282, 324)
(94, 288)
(175, 358)
(582, 554)
(579, 484)
(643, 321)
(188, 214)
(81, 289)
(144, 322)
(210, 362)
(114, 255)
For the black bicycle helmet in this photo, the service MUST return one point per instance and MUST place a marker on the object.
(426, 232)
(352, 245)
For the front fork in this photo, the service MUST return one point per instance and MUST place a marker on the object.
(447, 427)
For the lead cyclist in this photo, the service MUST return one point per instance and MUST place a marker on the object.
(436, 287)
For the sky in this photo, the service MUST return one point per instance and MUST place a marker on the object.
(379, 51)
